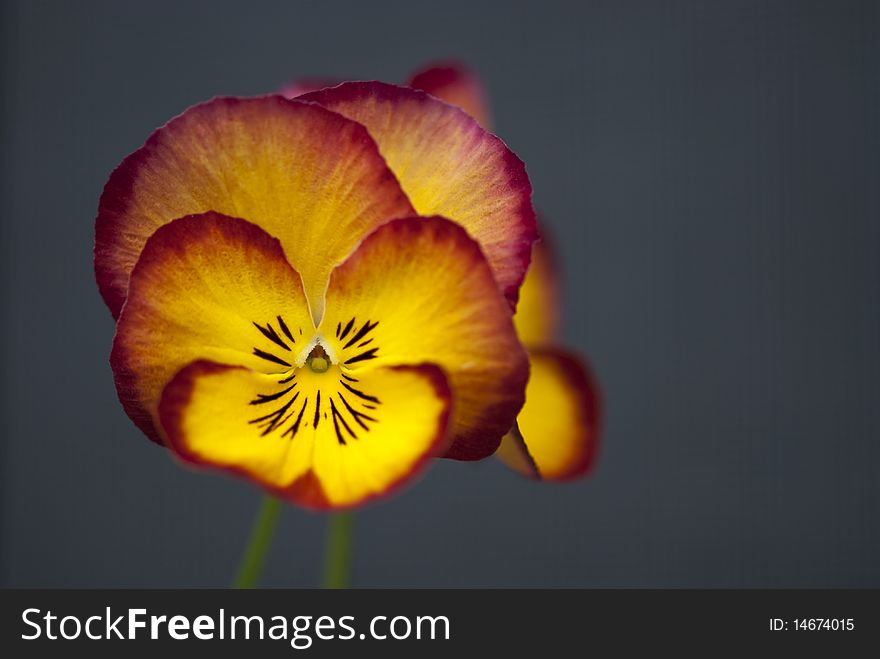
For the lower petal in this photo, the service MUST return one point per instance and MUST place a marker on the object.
(559, 423)
(309, 439)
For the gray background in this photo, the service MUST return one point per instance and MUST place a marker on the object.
(710, 170)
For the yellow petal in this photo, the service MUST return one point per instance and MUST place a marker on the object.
(537, 313)
(310, 177)
(206, 287)
(420, 290)
(321, 440)
(559, 422)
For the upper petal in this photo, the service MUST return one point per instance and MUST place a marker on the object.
(448, 166)
(309, 176)
(206, 287)
(420, 290)
(456, 84)
(560, 421)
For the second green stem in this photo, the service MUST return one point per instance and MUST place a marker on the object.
(337, 556)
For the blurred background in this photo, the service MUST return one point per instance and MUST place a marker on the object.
(710, 172)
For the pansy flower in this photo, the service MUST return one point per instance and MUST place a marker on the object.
(293, 304)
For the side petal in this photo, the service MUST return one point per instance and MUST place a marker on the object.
(456, 84)
(308, 176)
(206, 287)
(209, 417)
(537, 313)
(420, 290)
(560, 421)
(448, 166)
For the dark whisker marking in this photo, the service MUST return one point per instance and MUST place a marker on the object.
(276, 412)
(347, 329)
(369, 354)
(349, 378)
(287, 379)
(270, 357)
(317, 410)
(367, 342)
(336, 426)
(338, 329)
(285, 329)
(360, 394)
(283, 421)
(295, 427)
(265, 398)
(357, 415)
(369, 407)
(361, 333)
(300, 331)
(336, 418)
(269, 332)
(274, 418)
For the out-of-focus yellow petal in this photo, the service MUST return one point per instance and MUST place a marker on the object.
(537, 313)
(456, 84)
(420, 290)
(560, 421)
(206, 287)
(323, 440)
(310, 177)
(448, 165)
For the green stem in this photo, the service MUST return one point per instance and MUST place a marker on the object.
(337, 557)
(258, 545)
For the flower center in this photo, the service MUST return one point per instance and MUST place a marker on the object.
(318, 360)
(316, 389)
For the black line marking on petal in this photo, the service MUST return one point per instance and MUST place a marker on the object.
(367, 342)
(317, 410)
(349, 378)
(265, 398)
(360, 394)
(347, 329)
(356, 415)
(336, 418)
(270, 357)
(369, 354)
(269, 332)
(285, 329)
(295, 427)
(274, 419)
(288, 379)
(338, 329)
(361, 333)
(369, 407)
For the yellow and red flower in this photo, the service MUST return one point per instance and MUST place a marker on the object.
(293, 305)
